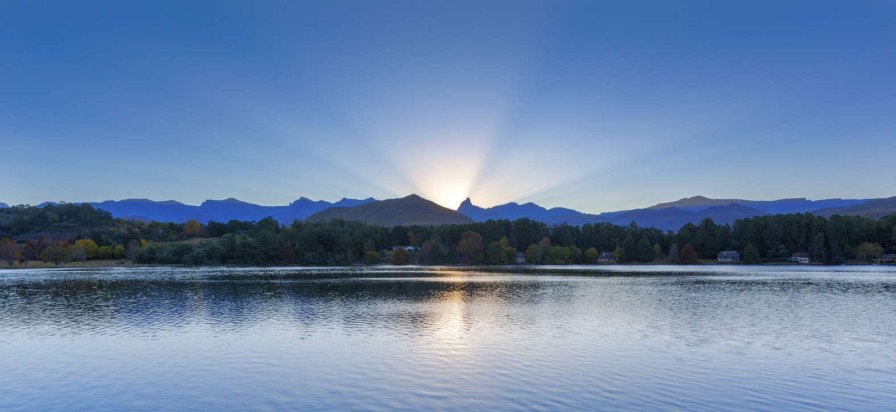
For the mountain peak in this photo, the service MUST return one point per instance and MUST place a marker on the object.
(407, 211)
(229, 200)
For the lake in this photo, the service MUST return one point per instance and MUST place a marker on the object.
(569, 338)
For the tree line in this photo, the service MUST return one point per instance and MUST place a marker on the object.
(61, 233)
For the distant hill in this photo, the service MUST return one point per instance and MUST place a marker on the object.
(666, 216)
(670, 218)
(674, 218)
(217, 210)
(2, 205)
(410, 210)
(781, 206)
(513, 211)
(875, 209)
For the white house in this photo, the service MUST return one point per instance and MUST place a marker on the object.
(606, 257)
(728, 256)
(800, 258)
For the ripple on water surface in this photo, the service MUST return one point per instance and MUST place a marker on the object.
(734, 337)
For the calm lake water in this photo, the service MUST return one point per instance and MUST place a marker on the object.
(657, 338)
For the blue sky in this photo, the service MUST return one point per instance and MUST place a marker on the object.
(590, 105)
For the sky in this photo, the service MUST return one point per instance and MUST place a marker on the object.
(596, 106)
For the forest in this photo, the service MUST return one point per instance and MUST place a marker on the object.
(78, 232)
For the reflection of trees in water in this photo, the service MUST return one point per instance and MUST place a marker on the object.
(709, 310)
(223, 303)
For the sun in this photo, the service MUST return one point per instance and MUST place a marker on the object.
(451, 197)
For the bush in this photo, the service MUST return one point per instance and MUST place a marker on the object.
(372, 258)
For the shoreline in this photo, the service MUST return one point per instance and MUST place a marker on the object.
(115, 263)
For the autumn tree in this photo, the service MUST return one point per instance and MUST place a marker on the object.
(657, 252)
(87, 247)
(399, 256)
(688, 255)
(9, 251)
(192, 229)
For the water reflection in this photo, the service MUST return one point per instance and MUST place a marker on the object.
(413, 339)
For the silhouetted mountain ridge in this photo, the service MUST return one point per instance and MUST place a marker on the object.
(409, 210)
(874, 209)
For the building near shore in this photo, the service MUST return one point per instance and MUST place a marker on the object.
(728, 256)
(606, 257)
(800, 258)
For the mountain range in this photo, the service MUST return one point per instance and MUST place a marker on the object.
(414, 209)
(666, 216)
(217, 210)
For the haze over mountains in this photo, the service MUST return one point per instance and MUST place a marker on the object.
(415, 210)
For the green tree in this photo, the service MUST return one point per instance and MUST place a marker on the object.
(470, 249)
(628, 246)
(494, 254)
(543, 247)
(751, 254)
(508, 251)
(57, 254)
(817, 249)
(372, 257)
(105, 252)
(645, 251)
(590, 256)
(532, 254)
(619, 254)
(869, 252)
